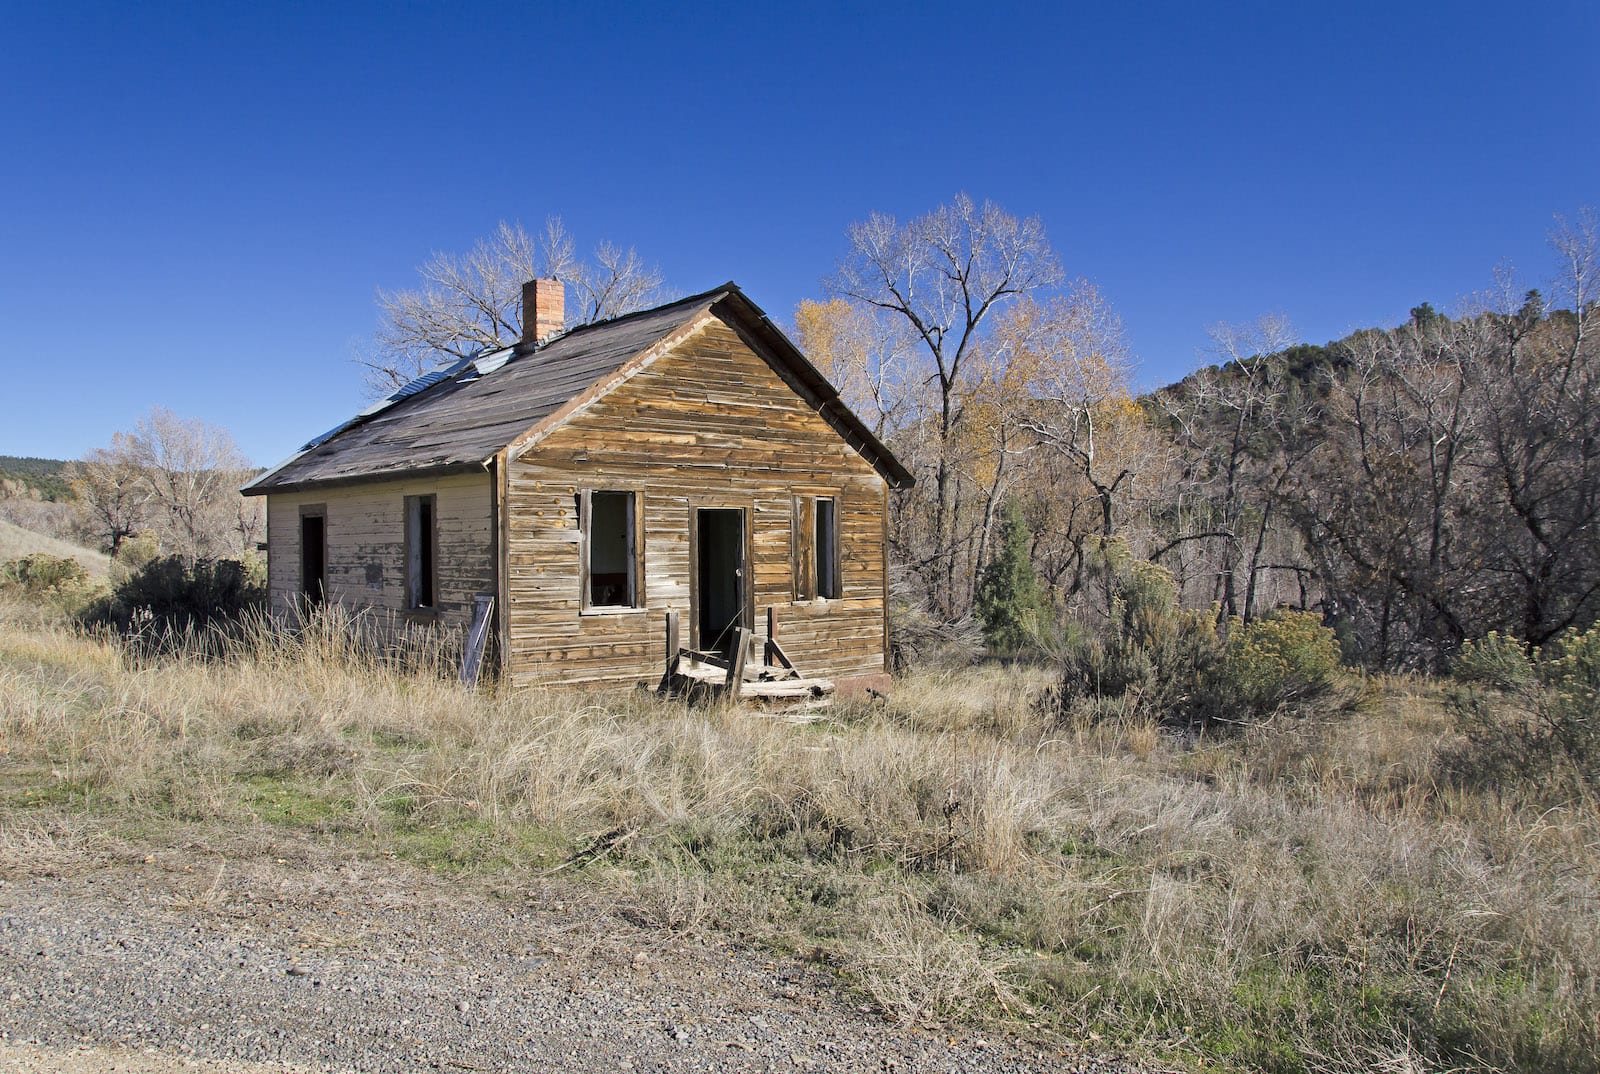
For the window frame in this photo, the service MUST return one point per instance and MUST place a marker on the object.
(634, 597)
(416, 572)
(815, 564)
(829, 562)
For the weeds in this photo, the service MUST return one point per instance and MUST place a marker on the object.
(1307, 895)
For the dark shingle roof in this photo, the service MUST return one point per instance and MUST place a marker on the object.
(466, 416)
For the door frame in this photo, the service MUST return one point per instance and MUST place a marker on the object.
(312, 510)
(747, 595)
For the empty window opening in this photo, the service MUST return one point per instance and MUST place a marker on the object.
(827, 548)
(816, 548)
(313, 557)
(421, 552)
(611, 545)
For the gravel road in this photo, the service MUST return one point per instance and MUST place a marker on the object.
(294, 960)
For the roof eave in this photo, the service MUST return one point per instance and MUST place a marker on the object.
(256, 488)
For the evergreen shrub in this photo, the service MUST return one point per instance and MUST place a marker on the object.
(168, 596)
(1531, 714)
(1009, 601)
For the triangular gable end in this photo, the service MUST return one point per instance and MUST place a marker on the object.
(786, 360)
(767, 342)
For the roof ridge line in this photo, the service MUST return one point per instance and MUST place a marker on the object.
(726, 288)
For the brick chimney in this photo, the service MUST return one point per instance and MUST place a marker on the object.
(543, 310)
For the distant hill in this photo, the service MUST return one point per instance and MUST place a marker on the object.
(1308, 364)
(16, 542)
(44, 478)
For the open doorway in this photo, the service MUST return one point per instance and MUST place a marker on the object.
(720, 574)
(313, 557)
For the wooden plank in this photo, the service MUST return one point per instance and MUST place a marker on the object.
(674, 651)
(803, 530)
(585, 514)
(636, 547)
(741, 650)
(776, 650)
(883, 536)
(500, 561)
(477, 634)
(783, 688)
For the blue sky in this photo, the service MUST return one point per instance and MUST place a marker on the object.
(199, 201)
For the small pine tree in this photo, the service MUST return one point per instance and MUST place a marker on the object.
(1009, 603)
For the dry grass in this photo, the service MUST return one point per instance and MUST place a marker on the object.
(1313, 896)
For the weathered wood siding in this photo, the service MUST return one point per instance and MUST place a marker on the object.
(365, 535)
(708, 425)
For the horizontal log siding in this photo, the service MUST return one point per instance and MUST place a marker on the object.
(709, 425)
(366, 533)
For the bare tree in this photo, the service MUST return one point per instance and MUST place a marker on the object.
(113, 497)
(1093, 441)
(1230, 423)
(943, 275)
(190, 471)
(472, 301)
(1537, 410)
(249, 519)
(1080, 405)
(1459, 491)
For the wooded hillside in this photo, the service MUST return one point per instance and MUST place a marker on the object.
(1416, 486)
(41, 479)
(1419, 486)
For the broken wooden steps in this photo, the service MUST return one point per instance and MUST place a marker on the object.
(752, 684)
(776, 679)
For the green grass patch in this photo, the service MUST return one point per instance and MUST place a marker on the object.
(292, 804)
(25, 787)
(467, 846)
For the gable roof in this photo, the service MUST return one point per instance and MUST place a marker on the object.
(456, 419)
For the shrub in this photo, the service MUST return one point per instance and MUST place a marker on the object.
(38, 574)
(1146, 658)
(168, 596)
(1008, 601)
(58, 580)
(1531, 714)
(1140, 646)
(920, 639)
(138, 551)
(1280, 659)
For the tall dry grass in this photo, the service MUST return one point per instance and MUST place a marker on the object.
(1311, 896)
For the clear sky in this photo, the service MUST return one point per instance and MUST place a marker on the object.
(198, 201)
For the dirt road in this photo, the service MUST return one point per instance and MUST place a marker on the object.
(301, 961)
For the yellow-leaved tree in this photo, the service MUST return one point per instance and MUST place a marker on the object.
(951, 337)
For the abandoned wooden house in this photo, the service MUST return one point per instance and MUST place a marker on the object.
(595, 488)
